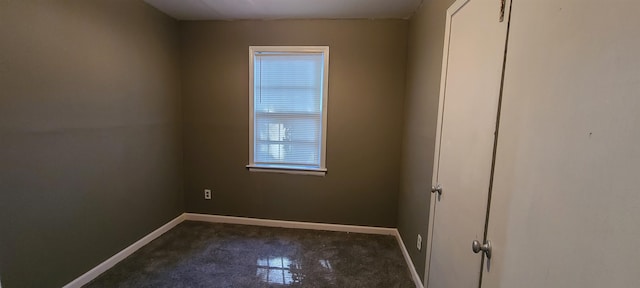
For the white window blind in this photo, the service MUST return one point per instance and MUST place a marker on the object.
(288, 107)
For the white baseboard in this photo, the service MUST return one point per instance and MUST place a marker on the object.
(289, 224)
(407, 258)
(107, 264)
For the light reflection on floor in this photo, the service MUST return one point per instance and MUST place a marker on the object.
(282, 270)
(276, 270)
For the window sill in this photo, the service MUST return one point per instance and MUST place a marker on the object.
(288, 170)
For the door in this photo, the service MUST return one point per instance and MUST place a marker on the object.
(470, 88)
(565, 209)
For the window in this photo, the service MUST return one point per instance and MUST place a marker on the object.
(288, 108)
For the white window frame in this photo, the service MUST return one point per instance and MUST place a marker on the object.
(320, 171)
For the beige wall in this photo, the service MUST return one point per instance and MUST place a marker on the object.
(426, 37)
(366, 91)
(90, 149)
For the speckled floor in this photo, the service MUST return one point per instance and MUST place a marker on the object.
(200, 254)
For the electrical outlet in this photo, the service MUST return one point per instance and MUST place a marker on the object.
(207, 194)
(419, 242)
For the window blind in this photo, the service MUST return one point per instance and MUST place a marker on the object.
(288, 91)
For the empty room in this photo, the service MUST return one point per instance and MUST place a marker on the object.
(319, 143)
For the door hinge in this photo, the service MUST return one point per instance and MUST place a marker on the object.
(502, 4)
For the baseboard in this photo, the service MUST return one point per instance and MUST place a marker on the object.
(107, 264)
(407, 258)
(289, 224)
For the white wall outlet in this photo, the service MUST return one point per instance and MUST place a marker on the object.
(419, 242)
(207, 194)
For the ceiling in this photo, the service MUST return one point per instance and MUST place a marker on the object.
(286, 9)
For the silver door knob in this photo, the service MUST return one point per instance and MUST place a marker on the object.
(486, 248)
(436, 189)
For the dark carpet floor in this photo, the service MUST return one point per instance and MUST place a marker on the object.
(200, 254)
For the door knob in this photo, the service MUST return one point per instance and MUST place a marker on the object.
(486, 248)
(436, 189)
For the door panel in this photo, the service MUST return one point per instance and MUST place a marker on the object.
(565, 208)
(474, 52)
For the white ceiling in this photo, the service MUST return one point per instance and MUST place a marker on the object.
(285, 9)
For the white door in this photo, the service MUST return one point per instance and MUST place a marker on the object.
(470, 89)
(565, 208)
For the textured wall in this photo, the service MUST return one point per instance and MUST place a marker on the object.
(426, 37)
(90, 134)
(366, 90)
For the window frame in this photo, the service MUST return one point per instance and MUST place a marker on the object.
(289, 169)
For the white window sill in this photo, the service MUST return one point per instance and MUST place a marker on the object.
(288, 170)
